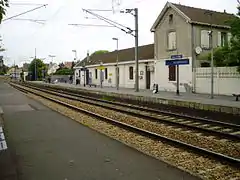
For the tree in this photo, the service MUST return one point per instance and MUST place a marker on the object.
(3, 5)
(230, 55)
(73, 64)
(234, 54)
(100, 52)
(220, 56)
(64, 71)
(40, 68)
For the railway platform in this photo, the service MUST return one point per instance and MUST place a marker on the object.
(43, 144)
(220, 103)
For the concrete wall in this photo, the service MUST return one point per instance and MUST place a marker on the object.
(226, 80)
(60, 78)
(162, 75)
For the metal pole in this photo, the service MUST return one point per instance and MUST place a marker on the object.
(136, 51)
(212, 64)
(15, 72)
(177, 80)
(117, 68)
(101, 75)
(35, 64)
(76, 55)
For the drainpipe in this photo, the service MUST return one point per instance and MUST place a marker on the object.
(193, 61)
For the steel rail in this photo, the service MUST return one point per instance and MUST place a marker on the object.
(189, 147)
(73, 96)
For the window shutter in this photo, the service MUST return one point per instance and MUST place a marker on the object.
(172, 40)
(204, 39)
(219, 39)
(169, 41)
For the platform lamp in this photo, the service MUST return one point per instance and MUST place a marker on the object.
(117, 70)
(75, 52)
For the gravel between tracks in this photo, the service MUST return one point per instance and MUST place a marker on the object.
(228, 148)
(194, 164)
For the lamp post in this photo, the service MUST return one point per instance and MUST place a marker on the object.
(101, 75)
(52, 56)
(35, 64)
(75, 52)
(117, 69)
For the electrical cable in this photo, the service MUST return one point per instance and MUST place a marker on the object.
(24, 12)
(113, 23)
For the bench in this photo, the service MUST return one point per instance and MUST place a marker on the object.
(236, 95)
(90, 85)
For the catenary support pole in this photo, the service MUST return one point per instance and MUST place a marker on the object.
(136, 51)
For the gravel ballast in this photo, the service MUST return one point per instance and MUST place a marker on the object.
(198, 165)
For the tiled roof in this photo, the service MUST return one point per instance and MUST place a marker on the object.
(198, 15)
(68, 64)
(145, 52)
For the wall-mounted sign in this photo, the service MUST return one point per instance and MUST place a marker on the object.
(101, 67)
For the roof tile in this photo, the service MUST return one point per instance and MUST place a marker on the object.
(145, 52)
(199, 15)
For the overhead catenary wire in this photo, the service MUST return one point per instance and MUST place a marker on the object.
(24, 12)
(32, 20)
(25, 4)
(98, 25)
(97, 15)
(113, 23)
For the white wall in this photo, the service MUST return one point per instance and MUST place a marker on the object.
(124, 80)
(162, 74)
(226, 80)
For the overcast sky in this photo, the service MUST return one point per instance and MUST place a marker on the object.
(57, 38)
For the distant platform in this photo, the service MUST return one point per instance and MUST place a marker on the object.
(220, 103)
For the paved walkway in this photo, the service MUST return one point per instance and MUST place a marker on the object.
(48, 146)
(190, 97)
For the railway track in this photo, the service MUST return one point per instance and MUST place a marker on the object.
(235, 161)
(210, 127)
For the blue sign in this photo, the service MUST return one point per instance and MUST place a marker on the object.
(179, 56)
(176, 62)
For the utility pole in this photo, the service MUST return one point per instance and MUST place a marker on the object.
(136, 50)
(35, 64)
(128, 31)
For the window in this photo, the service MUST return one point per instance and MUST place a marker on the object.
(96, 71)
(223, 38)
(131, 73)
(106, 73)
(170, 18)
(205, 39)
(79, 73)
(172, 41)
(172, 73)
